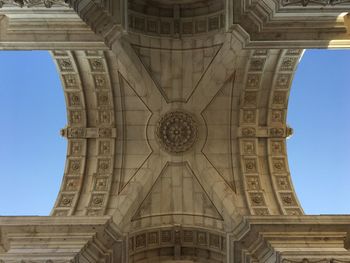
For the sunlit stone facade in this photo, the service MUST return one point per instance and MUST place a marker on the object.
(176, 131)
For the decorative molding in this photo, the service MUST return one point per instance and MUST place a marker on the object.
(60, 240)
(262, 24)
(177, 131)
(68, 67)
(259, 169)
(178, 242)
(249, 132)
(88, 133)
(279, 131)
(282, 131)
(34, 3)
(93, 106)
(102, 176)
(323, 260)
(170, 27)
(291, 239)
(314, 2)
(176, 19)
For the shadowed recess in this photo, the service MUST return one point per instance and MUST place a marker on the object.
(32, 153)
(319, 151)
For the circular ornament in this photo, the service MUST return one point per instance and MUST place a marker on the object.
(176, 131)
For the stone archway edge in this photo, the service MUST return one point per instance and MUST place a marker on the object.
(116, 90)
(96, 238)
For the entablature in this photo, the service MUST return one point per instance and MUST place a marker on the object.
(292, 239)
(269, 23)
(64, 239)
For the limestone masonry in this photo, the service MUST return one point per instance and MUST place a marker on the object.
(176, 131)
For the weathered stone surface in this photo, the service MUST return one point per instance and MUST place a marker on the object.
(176, 131)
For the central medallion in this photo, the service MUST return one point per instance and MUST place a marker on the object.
(176, 131)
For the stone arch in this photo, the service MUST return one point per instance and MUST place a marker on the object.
(237, 166)
(263, 130)
(91, 132)
(90, 90)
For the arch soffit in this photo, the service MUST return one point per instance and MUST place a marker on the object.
(260, 80)
(95, 83)
(92, 80)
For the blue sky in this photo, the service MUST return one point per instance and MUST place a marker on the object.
(32, 153)
(319, 151)
(32, 111)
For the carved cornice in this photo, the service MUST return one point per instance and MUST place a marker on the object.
(104, 20)
(91, 121)
(263, 111)
(85, 133)
(302, 239)
(94, 239)
(324, 260)
(36, 27)
(34, 3)
(265, 132)
(315, 2)
(270, 24)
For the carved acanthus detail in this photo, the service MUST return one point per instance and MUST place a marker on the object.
(317, 2)
(177, 131)
(325, 260)
(34, 3)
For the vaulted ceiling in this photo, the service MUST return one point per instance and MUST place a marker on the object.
(176, 117)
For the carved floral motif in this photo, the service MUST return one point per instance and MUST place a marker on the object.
(105, 132)
(249, 116)
(65, 64)
(319, 2)
(288, 199)
(248, 147)
(261, 211)
(257, 199)
(253, 81)
(176, 131)
(104, 147)
(288, 64)
(33, 3)
(277, 132)
(250, 166)
(257, 64)
(283, 183)
(253, 183)
(97, 200)
(66, 201)
(101, 184)
(248, 132)
(103, 165)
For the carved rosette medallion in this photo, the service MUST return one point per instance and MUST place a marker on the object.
(176, 131)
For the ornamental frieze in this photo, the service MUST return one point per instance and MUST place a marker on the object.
(33, 3)
(317, 2)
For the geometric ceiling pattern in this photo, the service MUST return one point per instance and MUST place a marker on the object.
(176, 131)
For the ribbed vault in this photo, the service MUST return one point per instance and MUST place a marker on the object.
(176, 132)
(117, 166)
